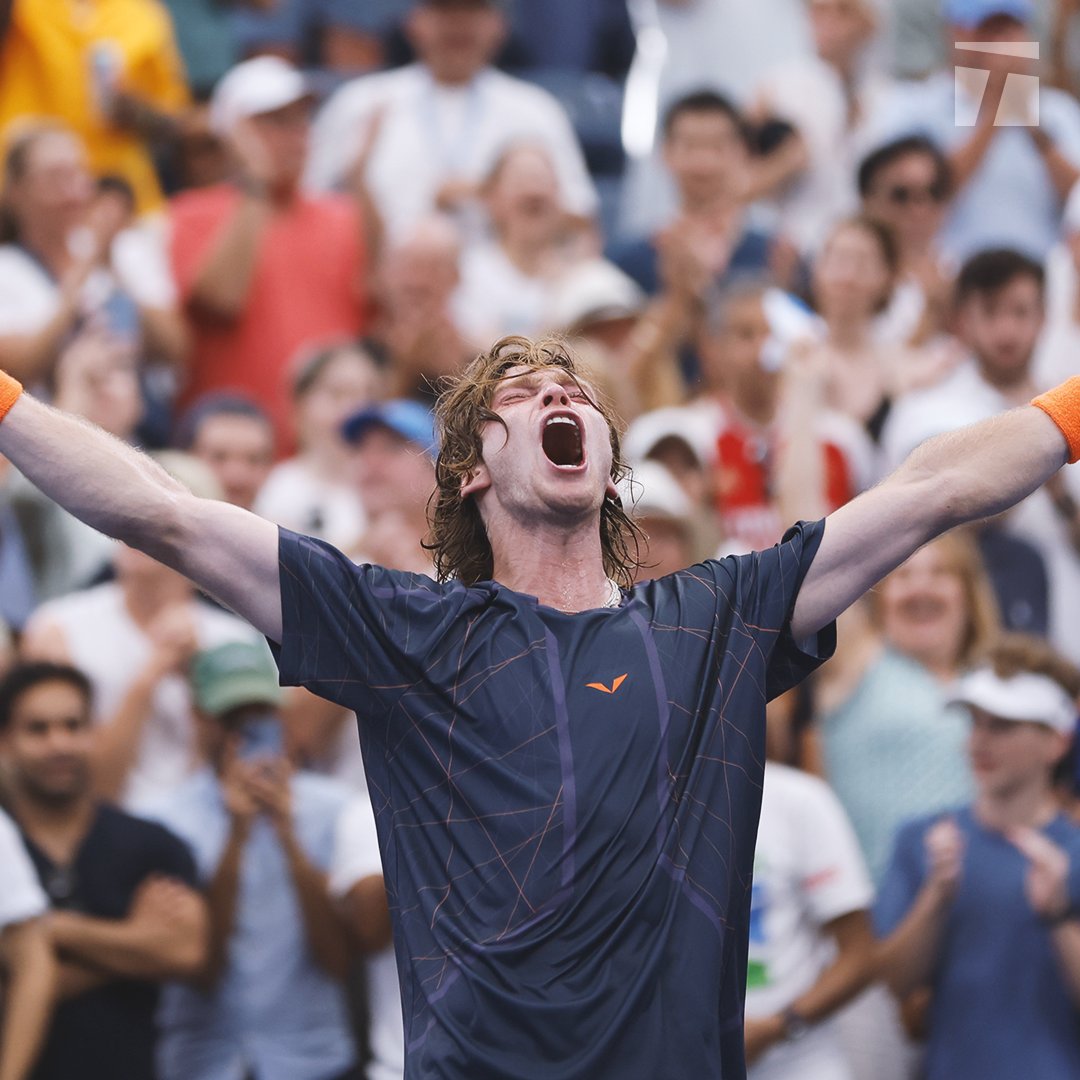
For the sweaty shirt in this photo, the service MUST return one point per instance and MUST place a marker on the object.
(566, 804)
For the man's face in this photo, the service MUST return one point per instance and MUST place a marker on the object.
(907, 195)
(552, 462)
(707, 156)
(1002, 328)
(840, 28)
(997, 30)
(48, 742)
(456, 40)
(284, 134)
(393, 474)
(240, 451)
(57, 186)
(1008, 755)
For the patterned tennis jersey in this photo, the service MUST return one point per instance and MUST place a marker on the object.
(566, 804)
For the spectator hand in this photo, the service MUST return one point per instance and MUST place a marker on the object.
(454, 194)
(269, 787)
(256, 163)
(236, 788)
(945, 854)
(761, 1035)
(174, 637)
(164, 902)
(1046, 883)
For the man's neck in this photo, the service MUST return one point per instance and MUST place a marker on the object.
(1031, 805)
(57, 828)
(49, 246)
(562, 568)
(1016, 387)
(847, 334)
(452, 80)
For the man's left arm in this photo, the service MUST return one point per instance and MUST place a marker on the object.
(964, 475)
(164, 937)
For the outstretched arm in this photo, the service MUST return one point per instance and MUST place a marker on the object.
(121, 492)
(965, 475)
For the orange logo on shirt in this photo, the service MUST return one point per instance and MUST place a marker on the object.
(607, 689)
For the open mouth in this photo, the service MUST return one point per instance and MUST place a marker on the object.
(561, 441)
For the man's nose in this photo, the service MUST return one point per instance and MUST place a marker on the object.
(555, 394)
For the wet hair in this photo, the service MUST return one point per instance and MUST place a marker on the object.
(988, 272)
(884, 156)
(216, 404)
(27, 676)
(705, 101)
(459, 540)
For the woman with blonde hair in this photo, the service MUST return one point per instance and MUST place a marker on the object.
(893, 745)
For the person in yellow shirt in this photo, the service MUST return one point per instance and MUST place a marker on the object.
(109, 69)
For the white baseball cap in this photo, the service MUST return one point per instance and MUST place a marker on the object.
(594, 291)
(651, 491)
(1024, 697)
(689, 424)
(254, 87)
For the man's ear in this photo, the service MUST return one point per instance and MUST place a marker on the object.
(478, 480)
(612, 492)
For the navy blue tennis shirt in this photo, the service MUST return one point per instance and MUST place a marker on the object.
(567, 804)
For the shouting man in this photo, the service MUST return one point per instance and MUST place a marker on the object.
(566, 773)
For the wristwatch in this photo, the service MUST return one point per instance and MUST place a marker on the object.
(795, 1024)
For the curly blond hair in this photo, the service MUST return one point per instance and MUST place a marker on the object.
(459, 540)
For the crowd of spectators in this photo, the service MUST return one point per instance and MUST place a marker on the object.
(792, 240)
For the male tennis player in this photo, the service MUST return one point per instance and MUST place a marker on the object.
(567, 775)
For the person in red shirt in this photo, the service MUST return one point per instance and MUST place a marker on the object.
(263, 269)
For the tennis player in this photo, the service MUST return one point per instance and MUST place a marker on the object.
(566, 771)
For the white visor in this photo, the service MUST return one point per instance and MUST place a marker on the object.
(1034, 699)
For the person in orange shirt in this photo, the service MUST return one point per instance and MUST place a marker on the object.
(264, 270)
(109, 69)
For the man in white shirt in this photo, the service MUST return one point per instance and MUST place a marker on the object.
(999, 317)
(442, 122)
(25, 955)
(811, 891)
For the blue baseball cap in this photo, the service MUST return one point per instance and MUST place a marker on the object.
(971, 14)
(409, 419)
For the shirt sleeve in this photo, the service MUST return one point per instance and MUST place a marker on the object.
(356, 848)
(765, 586)
(903, 879)
(21, 895)
(835, 880)
(350, 632)
(170, 856)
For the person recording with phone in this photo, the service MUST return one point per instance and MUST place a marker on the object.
(270, 1003)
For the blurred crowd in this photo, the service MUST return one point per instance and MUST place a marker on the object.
(792, 239)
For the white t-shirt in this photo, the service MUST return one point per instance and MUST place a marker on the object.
(966, 398)
(295, 496)
(104, 642)
(21, 896)
(810, 96)
(808, 871)
(29, 295)
(356, 856)
(432, 134)
(496, 299)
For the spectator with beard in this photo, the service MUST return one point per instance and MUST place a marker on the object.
(125, 915)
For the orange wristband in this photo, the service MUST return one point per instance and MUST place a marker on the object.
(1062, 405)
(10, 389)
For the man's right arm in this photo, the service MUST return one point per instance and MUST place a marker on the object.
(226, 551)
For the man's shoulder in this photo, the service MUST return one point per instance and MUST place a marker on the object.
(514, 93)
(134, 836)
(198, 204)
(98, 601)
